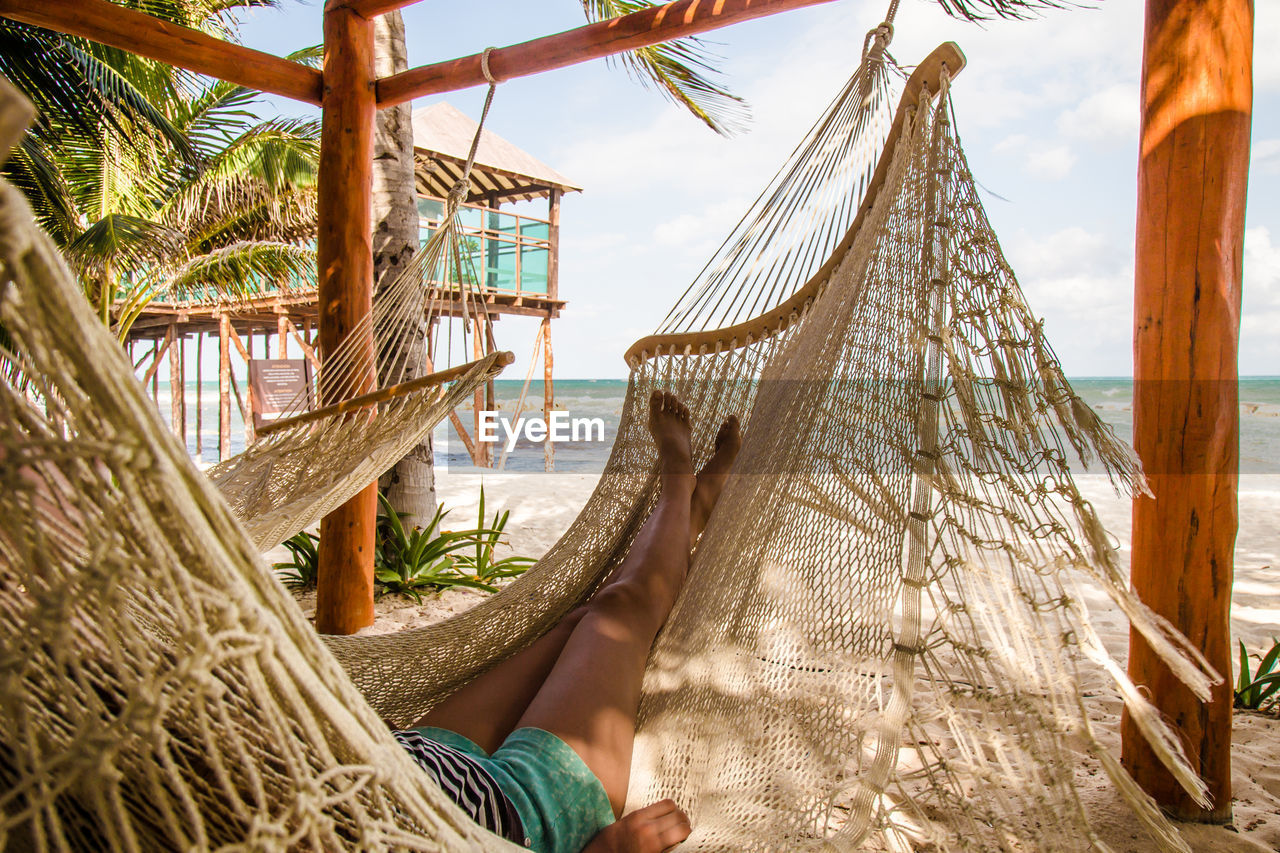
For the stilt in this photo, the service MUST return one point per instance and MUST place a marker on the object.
(1197, 101)
(174, 345)
(199, 392)
(344, 249)
(224, 387)
(154, 373)
(282, 335)
(483, 456)
(548, 392)
(524, 390)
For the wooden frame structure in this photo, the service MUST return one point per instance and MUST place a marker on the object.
(349, 94)
(1194, 166)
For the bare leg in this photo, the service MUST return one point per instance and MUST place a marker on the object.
(487, 709)
(592, 694)
(712, 477)
(491, 706)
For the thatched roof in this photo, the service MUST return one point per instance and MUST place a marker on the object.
(441, 139)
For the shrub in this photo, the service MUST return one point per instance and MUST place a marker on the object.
(480, 562)
(1257, 691)
(301, 570)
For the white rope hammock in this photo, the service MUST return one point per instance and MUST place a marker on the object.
(879, 645)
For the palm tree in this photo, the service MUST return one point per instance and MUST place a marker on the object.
(234, 217)
(153, 183)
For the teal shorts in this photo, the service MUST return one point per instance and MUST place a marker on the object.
(560, 801)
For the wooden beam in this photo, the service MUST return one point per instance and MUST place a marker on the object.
(1197, 103)
(157, 353)
(594, 41)
(344, 255)
(145, 35)
(302, 342)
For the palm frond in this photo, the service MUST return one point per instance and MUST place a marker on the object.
(33, 169)
(245, 269)
(985, 10)
(245, 210)
(684, 70)
(122, 242)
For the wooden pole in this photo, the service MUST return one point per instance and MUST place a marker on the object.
(553, 237)
(594, 41)
(1193, 170)
(282, 335)
(483, 456)
(178, 384)
(199, 391)
(224, 387)
(548, 394)
(344, 250)
(111, 24)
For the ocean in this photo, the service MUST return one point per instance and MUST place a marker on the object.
(1110, 397)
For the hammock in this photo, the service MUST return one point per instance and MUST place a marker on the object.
(878, 647)
(310, 462)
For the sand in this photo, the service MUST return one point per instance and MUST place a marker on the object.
(543, 505)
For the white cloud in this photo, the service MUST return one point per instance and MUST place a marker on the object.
(1103, 116)
(1260, 310)
(1265, 157)
(1051, 164)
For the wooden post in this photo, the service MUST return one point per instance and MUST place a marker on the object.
(153, 375)
(483, 456)
(548, 394)
(344, 250)
(1194, 161)
(177, 383)
(553, 237)
(199, 391)
(282, 335)
(224, 387)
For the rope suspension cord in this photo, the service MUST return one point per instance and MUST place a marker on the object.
(401, 306)
(798, 219)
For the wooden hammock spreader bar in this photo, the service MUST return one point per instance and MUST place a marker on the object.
(777, 319)
(145, 35)
(383, 394)
(594, 41)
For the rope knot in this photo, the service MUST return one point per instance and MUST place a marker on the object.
(484, 66)
(458, 192)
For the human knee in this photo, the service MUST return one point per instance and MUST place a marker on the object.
(622, 598)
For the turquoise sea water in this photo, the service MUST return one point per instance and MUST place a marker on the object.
(1110, 397)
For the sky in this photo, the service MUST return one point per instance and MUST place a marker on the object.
(1047, 110)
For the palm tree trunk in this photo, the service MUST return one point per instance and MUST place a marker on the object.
(411, 485)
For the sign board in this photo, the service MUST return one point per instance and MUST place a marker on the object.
(279, 388)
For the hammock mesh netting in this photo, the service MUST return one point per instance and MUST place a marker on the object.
(879, 645)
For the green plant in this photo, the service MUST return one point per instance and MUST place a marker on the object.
(1256, 691)
(301, 570)
(481, 563)
(411, 562)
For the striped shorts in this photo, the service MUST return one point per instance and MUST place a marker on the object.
(533, 790)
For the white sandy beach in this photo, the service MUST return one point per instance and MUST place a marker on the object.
(543, 505)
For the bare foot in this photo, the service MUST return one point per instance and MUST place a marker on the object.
(669, 424)
(713, 476)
